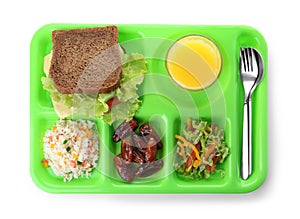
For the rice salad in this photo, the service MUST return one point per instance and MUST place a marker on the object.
(71, 148)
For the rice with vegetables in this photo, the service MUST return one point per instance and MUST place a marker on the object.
(71, 148)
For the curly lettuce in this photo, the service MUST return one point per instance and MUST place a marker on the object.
(133, 72)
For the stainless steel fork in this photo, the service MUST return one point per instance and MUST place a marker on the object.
(251, 72)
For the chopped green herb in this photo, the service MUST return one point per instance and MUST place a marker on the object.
(79, 162)
(65, 141)
(68, 149)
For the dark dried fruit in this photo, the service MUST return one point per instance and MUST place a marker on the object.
(139, 142)
(140, 149)
(124, 130)
(150, 152)
(138, 157)
(147, 131)
(127, 150)
(125, 169)
(148, 169)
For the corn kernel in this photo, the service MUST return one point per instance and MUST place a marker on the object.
(59, 153)
(88, 132)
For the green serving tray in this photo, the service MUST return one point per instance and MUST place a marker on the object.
(166, 106)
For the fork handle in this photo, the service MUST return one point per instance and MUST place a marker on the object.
(247, 140)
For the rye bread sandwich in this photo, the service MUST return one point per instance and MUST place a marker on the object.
(88, 74)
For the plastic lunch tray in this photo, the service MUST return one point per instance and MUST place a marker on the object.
(166, 105)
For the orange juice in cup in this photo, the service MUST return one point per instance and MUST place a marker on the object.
(194, 62)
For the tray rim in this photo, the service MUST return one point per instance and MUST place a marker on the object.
(34, 177)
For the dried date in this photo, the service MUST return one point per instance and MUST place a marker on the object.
(127, 150)
(138, 157)
(147, 131)
(124, 130)
(150, 152)
(148, 169)
(125, 169)
(139, 142)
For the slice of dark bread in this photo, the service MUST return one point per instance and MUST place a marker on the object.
(86, 60)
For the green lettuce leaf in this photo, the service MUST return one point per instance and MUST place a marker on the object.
(66, 99)
(133, 72)
(122, 111)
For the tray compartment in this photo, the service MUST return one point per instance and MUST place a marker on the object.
(45, 177)
(159, 123)
(215, 179)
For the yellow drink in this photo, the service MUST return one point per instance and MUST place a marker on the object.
(194, 62)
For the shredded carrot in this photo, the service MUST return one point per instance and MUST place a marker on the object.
(180, 138)
(73, 164)
(50, 138)
(187, 143)
(195, 150)
(189, 124)
(77, 137)
(84, 163)
(182, 152)
(197, 163)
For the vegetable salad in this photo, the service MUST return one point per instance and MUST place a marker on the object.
(200, 150)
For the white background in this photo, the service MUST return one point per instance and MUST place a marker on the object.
(276, 20)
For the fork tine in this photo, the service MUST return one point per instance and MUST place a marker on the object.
(248, 52)
(242, 59)
(246, 59)
(250, 58)
(254, 61)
